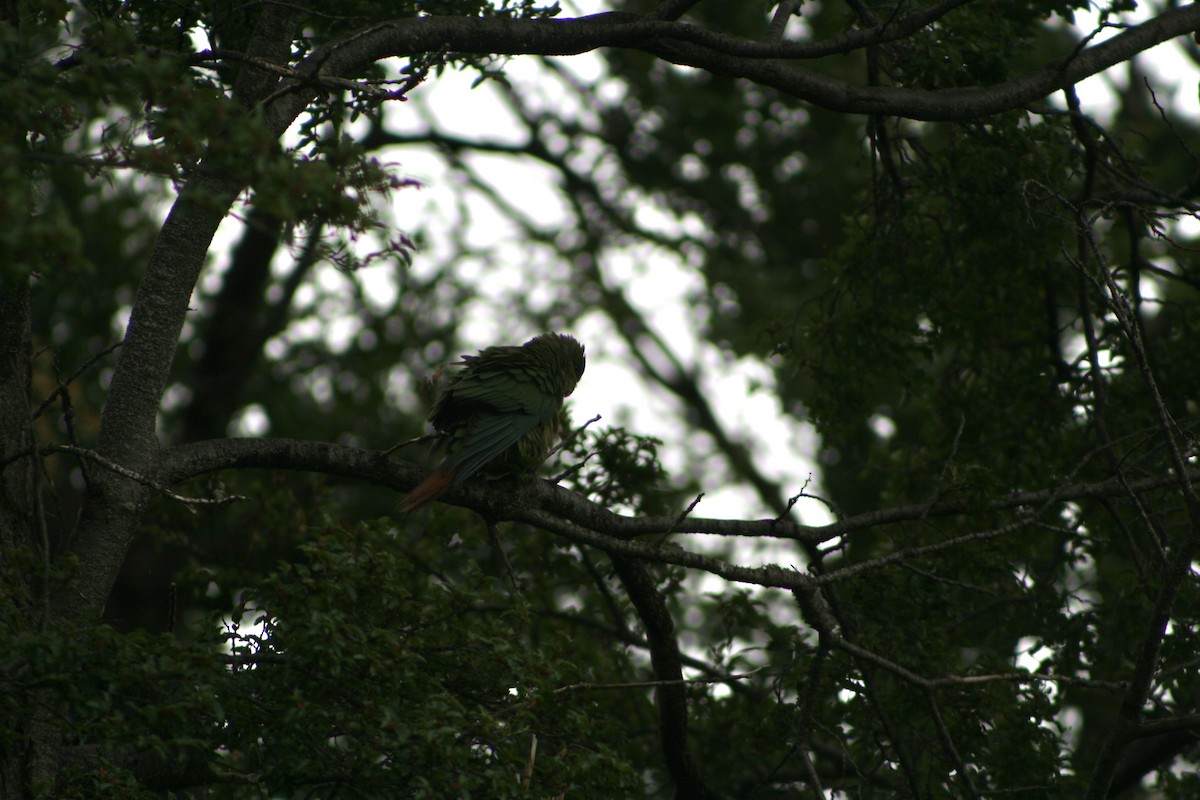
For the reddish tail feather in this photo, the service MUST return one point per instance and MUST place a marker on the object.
(428, 490)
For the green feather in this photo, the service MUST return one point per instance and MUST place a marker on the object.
(486, 439)
(502, 409)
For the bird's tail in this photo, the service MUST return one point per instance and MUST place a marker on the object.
(428, 490)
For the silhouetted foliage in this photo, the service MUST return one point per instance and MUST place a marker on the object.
(242, 240)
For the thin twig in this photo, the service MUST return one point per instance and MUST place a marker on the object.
(807, 704)
(568, 440)
(964, 773)
(652, 684)
(803, 493)
(900, 555)
(527, 775)
(112, 466)
(572, 469)
(39, 508)
(685, 513)
(429, 437)
(783, 13)
(284, 71)
(1167, 121)
(62, 385)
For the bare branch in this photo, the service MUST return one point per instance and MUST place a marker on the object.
(63, 385)
(124, 472)
(761, 62)
(128, 435)
(574, 687)
(783, 13)
(540, 502)
(961, 768)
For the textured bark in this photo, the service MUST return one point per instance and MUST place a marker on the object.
(16, 434)
(768, 63)
(115, 503)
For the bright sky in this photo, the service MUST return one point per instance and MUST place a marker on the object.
(1171, 72)
(655, 281)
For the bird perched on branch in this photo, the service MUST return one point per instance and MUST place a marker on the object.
(502, 410)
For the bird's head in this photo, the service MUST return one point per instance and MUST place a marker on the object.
(565, 353)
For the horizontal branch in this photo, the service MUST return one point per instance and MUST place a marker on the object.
(574, 517)
(1186, 724)
(537, 503)
(125, 472)
(575, 687)
(939, 104)
(767, 63)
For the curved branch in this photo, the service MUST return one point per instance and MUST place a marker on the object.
(760, 62)
(567, 514)
(939, 104)
(537, 503)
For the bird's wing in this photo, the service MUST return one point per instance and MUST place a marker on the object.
(499, 397)
(486, 438)
(504, 390)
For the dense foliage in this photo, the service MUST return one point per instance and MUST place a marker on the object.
(242, 238)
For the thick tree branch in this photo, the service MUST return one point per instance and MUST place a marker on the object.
(127, 435)
(559, 511)
(672, 9)
(941, 104)
(1142, 680)
(1145, 756)
(761, 62)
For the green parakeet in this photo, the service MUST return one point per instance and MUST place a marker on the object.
(502, 410)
